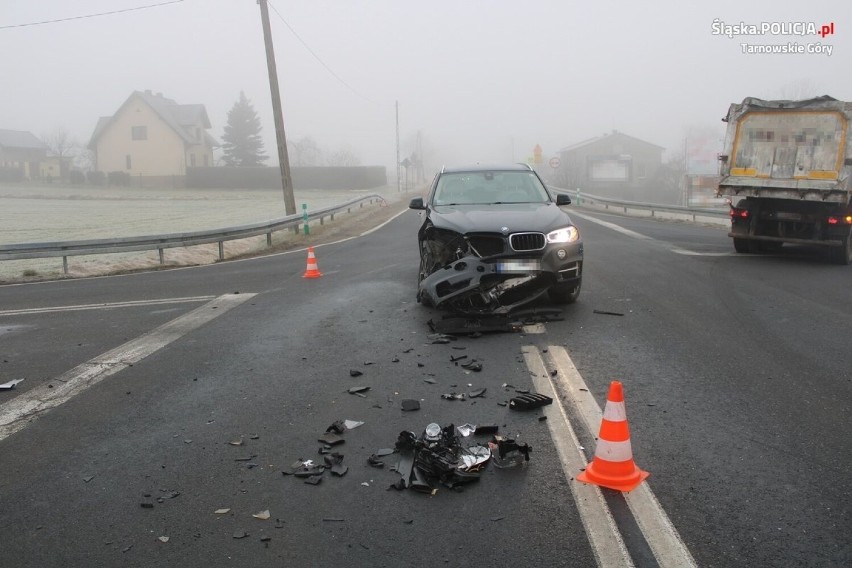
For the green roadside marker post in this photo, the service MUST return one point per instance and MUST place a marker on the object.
(305, 218)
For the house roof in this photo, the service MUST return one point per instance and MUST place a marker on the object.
(591, 141)
(20, 139)
(180, 118)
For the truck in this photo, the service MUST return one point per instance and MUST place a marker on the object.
(785, 172)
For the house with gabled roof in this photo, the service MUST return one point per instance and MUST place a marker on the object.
(21, 155)
(611, 165)
(153, 139)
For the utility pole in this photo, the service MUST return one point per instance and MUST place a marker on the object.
(397, 147)
(281, 138)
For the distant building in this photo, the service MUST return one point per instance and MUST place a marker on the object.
(153, 139)
(612, 165)
(21, 155)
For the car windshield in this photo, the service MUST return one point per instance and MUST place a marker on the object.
(469, 188)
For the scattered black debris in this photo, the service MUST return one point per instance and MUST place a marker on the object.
(485, 429)
(368, 362)
(245, 459)
(476, 393)
(430, 381)
(314, 480)
(409, 350)
(495, 519)
(240, 534)
(127, 548)
(520, 390)
(529, 401)
(355, 373)
(420, 364)
(553, 373)
(542, 418)
(337, 427)
(88, 478)
(453, 396)
(331, 439)
(472, 365)
(359, 391)
(606, 313)
(441, 338)
(385, 452)
(410, 404)
(475, 325)
(265, 540)
(503, 403)
(146, 505)
(507, 452)
(334, 462)
(374, 461)
(459, 358)
(437, 457)
(333, 520)
(395, 360)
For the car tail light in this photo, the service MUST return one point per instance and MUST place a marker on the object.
(739, 213)
(846, 219)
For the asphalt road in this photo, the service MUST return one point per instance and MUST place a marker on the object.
(736, 371)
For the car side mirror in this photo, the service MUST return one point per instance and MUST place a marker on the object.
(416, 203)
(563, 199)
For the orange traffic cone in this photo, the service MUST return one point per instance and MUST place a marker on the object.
(613, 465)
(312, 271)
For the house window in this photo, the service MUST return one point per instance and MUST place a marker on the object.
(139, 132)
(192, 160)
(127, 161)
(640, 171)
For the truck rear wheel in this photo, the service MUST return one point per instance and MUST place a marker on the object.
(843, 254)
(741, 245)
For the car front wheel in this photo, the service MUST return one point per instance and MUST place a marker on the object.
(564, 293)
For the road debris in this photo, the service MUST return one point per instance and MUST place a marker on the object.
(221, 511)
(506, 452)
(355, 373)
(359, 391)
(529, 401)
(606, 313)
(263, 515)
(10, 384)
(437, 457)
(410, 404)
(476, 393)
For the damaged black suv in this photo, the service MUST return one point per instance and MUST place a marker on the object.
(493, 238)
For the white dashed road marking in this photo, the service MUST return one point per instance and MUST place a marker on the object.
(21, 410)
(105, 306)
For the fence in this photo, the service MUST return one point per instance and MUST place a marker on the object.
(159, 243)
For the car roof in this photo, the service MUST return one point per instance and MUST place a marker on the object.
(488, 168)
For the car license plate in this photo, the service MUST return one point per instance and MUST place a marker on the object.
(788, 216)
(522, 266)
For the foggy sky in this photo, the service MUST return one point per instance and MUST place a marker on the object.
(478, 80)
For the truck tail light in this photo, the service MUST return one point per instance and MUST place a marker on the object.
(846, 220)
(738, 213)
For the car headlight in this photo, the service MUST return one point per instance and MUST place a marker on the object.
(567, 235)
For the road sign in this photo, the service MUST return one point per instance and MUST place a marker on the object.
(554, 162)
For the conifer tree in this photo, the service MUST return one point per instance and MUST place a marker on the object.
(241, 141)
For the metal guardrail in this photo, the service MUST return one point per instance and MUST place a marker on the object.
(595, 201)
(22, 251)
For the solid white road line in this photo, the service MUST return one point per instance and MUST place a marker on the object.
(105, 306)
(604, 538)
(21, 410)
(613, 226)
(661, 535)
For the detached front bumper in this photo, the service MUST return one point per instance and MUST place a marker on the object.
(500, 284)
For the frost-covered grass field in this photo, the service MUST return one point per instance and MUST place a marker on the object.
(52, 213)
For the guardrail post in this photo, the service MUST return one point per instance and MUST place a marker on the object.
(652, 212)
(269, 239)
(221, 250)
(321, 219)
(331, 217)
(162, 258)
(65, 265)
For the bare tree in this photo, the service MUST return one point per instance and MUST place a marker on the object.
(343, 157)
(304, 152)
(60, 144)
(799, 89)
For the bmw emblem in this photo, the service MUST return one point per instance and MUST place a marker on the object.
(504, 230)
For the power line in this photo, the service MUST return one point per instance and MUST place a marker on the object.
(317, 57)
(90, 15)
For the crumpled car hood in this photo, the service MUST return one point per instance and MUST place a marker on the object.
(517, 217)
